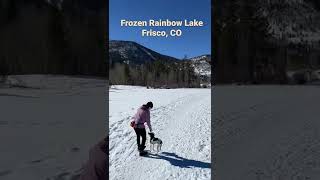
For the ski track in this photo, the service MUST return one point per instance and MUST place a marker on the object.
(183, 124)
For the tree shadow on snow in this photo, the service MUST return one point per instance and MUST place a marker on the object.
(176, 160)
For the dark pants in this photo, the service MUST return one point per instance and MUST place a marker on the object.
(141, 132)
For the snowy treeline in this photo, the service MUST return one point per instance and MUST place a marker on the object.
(155, 74)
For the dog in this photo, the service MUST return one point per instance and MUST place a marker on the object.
(155, 141)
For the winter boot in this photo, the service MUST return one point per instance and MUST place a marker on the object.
(143, 153)
(141, 148)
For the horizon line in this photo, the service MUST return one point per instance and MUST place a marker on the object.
(159, 52)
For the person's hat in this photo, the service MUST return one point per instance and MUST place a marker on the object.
(150, 104)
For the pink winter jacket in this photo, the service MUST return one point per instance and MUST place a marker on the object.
(142, 116)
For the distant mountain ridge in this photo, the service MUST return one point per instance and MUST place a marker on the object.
(134, 64)
(130, 52)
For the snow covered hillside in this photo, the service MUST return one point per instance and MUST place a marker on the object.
(48, 124)
(202, 65)
(294, 20)
(181, 118)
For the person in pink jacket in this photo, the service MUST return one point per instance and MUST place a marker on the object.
(140, 118)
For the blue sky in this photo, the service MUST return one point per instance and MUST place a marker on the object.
(194, 41)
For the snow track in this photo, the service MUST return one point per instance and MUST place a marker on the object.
(181, 118)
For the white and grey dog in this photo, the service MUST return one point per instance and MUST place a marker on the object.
(155, 141)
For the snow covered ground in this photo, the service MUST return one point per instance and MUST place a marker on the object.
(180, 117)
(267, 132)
(48, 125)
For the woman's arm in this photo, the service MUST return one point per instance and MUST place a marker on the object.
(148, 120)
